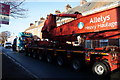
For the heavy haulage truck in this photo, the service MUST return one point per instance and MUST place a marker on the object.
(100, 25)
(20, 41)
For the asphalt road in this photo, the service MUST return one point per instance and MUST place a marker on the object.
(44, 70)
(12, 71)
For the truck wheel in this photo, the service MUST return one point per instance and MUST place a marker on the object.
(60, 61)
(49, 58)
(13, 49)
(76, 64)
(18, 49)
(100, 68)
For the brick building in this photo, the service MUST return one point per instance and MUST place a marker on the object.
(35, 29)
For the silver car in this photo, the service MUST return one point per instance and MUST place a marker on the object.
(8, 45)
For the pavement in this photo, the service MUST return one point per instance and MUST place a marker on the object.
(11, 70)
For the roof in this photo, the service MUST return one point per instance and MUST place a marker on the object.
(89, 6)
(33, 26)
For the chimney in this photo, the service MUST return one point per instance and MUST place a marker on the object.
(36, 23)
(42, 18)
(57, 12)
(68, 7)
(82, 2)
(31, 24)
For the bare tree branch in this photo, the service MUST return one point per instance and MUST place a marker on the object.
(5, 35)
(16, 11)
(18, 4)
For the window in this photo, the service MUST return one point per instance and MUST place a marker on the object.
(103, 42)
(8, 43)
(88, 44)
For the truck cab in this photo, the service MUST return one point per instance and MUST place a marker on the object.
(20, 42)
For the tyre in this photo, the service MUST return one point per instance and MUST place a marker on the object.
(100, 68)
(49, 58)
(18, 49)
(13, 48)
(76, 64)
(34, 55)
(31, 53)
(60, 61)
(40, 57)
(26, 53)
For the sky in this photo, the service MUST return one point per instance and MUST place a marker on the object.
(36, 9)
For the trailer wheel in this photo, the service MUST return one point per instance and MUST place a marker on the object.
(26, 53)
(31, 53)
(34, 55)
(49, 58)
(60, 61)
(100, 68)
(76, 64)
(40, 57)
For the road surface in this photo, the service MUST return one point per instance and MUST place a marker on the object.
(43, 70)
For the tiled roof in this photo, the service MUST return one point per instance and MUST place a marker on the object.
(33, 26)
(85, 8)
(94, 4)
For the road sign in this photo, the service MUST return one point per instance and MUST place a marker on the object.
(4, 13)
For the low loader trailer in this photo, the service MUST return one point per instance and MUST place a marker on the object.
(101, 61)
(54, 46)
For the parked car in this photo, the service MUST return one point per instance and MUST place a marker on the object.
(7, 45)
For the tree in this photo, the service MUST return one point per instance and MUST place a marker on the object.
(16, 10)
(4, 36)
